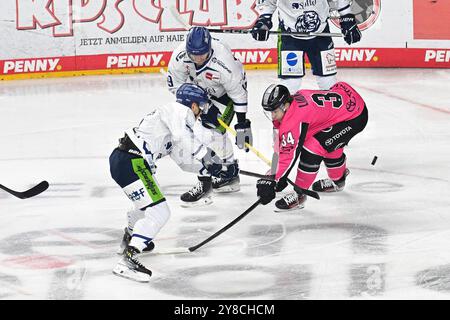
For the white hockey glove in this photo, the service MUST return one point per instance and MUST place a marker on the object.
(243, 134)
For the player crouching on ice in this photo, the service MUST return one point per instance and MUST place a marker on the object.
(168, 130)
(314, 125)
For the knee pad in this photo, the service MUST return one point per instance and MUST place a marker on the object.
(293, 84)
(309, 162)
(325, 83)
(335, 163)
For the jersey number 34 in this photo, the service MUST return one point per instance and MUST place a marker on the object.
(290, 139)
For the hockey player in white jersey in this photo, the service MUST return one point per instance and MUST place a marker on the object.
(209, 63)
(168, 130)
(306, 16)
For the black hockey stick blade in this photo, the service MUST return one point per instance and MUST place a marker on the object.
(228, 226)
(37, 189)
(310, 193)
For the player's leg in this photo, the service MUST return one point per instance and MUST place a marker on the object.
(335, 162)
(220, 142)
(333, 140)
(134, 176)
(291, 66)
(323, 61)
(308, 168)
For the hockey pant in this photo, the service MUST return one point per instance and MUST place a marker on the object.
(150, 212)
(291, 61)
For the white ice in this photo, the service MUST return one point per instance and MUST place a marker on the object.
(386, 236)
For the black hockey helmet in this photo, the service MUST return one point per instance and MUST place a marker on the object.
(275, 96)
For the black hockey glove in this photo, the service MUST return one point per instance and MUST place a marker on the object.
(266, 190)
(281, 185)
(349, 28)
(260, 30)
(212, 163)
(243, 134)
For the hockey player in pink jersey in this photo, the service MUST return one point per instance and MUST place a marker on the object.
(314, 126)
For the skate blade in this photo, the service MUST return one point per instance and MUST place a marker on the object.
(199, 203)
(227, 189)
(291, 209)
(131, 275)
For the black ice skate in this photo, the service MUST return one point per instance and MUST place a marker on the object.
(291, 201)
(221, 185)
(328, 185)
(200, 194)
(131, 268)
(126, 241)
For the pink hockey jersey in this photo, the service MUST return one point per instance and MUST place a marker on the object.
(319, 110)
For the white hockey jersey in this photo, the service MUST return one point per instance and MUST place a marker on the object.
(302, 15)
(221, 74)
(165, 128)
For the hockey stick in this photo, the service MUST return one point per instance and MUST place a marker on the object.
(215, 235)
(310, 193)
(228, 226)
(180, 19)
(280, 33)
(37, 189)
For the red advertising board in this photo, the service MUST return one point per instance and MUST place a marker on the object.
(121, 63)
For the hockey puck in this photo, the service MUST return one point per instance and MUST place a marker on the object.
(374, 160)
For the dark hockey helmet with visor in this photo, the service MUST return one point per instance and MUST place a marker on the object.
(189, 93)
(198, 42)
(275, 96)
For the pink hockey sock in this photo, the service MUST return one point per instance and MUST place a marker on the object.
(336, 173)
(305, 179)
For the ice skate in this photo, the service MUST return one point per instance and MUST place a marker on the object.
(328, 185)
(131, 268)
(290, 202)
(199, 195)
(221, 185)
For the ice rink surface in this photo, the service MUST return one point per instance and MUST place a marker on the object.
(386, 236)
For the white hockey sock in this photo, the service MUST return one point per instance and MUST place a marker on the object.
(293, 84)
(325, 83)
(146, 229)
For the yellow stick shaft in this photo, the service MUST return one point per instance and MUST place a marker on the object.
(258, 154)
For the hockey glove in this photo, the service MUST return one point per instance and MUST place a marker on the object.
(281, 185)
(211, 163)
(260, 30)
(243, 134)
(266, 190)
(349, 28)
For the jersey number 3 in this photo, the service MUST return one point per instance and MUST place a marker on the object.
(333, 98)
